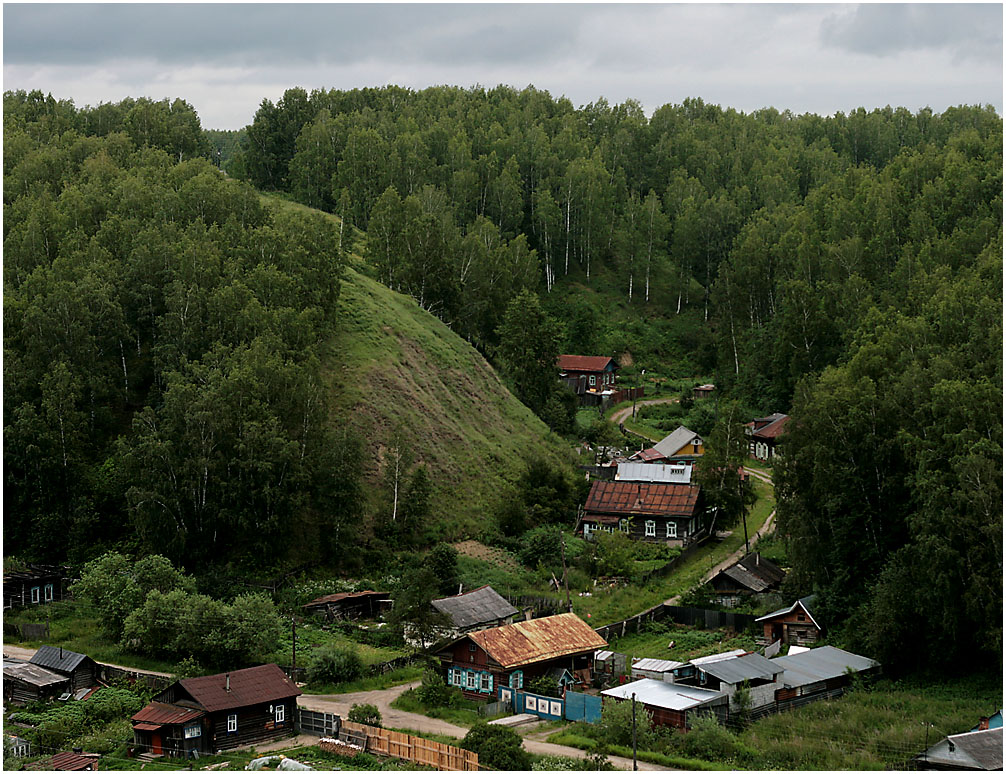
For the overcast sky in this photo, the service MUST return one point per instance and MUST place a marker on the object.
(225, 59)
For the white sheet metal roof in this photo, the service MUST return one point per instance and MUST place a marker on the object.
(819, 664)
(718, 657)
(602, 655)
(655, 665)
(642, 471)
(657, 693)
(675, 441)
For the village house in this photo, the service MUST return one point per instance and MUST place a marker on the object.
(80, 670)
(752, 575)
(794, 624)
(350, 604)
(482, 662)
(584, 373)
(823, 672)
(218, 712)
(683, 447)
(654, 512)
(640, 471)
(480, 608)
(36, 585)
(670, 704)
(764, 434)
(755, 674)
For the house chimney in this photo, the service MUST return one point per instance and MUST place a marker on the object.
(78, 750)
(983, 724)
(227, 684)
(60, 652)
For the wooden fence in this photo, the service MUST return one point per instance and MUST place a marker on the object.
(108, 673)
(442, 757)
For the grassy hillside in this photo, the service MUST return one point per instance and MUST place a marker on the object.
(394, 368)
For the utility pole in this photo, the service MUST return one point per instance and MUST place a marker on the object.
(635, 765)
(565, 580)
(293, 623)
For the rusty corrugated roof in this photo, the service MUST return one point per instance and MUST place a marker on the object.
(774, 429)
(255, 685)
(539, 639)
(643, 498)
(331, 598)
(160, 714)
(584, 363)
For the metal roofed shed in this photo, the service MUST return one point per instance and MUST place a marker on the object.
(672, 445)
(24, 682)
(821, 664)
(736, 670)
(58, 659)
(476, 608)
(669, 704)
(654, 668)
(718, 657)
(641, 471)
(971, 751)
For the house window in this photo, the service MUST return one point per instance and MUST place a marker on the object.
(651, 529)
(517, 679)
(473, 681)
(672, 529)
(48, 592)
(232, 724)
(593, 381)
(191, 732)
(35, 595)
(623, 525)
(586, 529)
(472, 646)
(487, 683)
(280, 713)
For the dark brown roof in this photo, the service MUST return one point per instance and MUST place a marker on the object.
(755, 573)
(770, 427)
(584, 363)
(160, 714)
(632, 497)
(65, 761)
(330, 599)
(255, 685)
(647, 454)
(540, 639)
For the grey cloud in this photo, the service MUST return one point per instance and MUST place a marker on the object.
(967, 31)
(272, 34)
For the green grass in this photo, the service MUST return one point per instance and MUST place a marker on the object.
(689, 643)
(466, 715)
(374, 683)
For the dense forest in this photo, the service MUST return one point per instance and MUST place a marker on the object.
(162, 326)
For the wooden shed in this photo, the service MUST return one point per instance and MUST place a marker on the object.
(670, 704)
(81, 670)
(24, 682)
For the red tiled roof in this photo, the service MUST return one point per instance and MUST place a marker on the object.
(629, 497)
(66, 761)
(773, 429)
(160, 714)
(255, 685)
(540, 639)
(648, 454)
(584, 363)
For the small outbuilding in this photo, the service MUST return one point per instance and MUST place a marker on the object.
(971, 751)
(795, 624)
(820, 670)
(654, 668)
(66, 761)
(753, 574)
(480, 608)
(350, 604)
(24, 682)
(80, 669)
(671, 704)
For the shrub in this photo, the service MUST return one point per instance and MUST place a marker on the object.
(615, 727)
(435, 692)
(708, 740)
(497, 747)
(335, 665)
(557, 763)
(367, 714)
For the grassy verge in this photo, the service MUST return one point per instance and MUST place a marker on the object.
(465, 715)
(374, 683)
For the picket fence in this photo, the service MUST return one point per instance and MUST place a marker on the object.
(443, 757)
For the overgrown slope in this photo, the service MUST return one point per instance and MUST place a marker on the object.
(394, 371)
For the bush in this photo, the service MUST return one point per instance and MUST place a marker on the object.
(615, 727)
(708, 740)
(335, 664)
(497, 747)
(435, 692)
(367, 714)
(557, 763)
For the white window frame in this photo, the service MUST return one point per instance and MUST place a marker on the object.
(473, 681)
(36, 594)
(593, 381)
(280, 713)
(485, 685)
(623, 526)
(232, 724)
(48, 592)
(672, 529)
(651, 529)
(193, 731)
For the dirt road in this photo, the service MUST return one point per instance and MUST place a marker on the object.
(16, 651)
(411, 721)
(620, 416)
